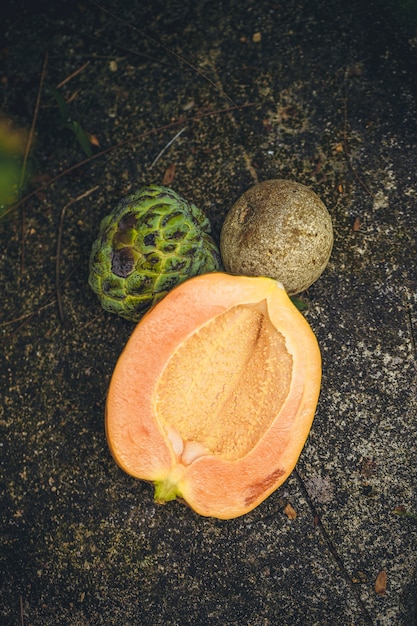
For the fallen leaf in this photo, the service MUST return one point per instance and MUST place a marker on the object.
(92, 139)
(290, 512)
(169, 174)
(381, 583)
(356, 224)
(188, 105)
(402, 511)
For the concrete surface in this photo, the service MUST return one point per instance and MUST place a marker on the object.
(332, 89)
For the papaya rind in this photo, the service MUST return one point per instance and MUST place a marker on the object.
(212, 486)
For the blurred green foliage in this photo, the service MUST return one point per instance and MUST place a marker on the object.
(75, 127)
(14, 169)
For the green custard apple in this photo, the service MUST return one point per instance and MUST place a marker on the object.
(151, 242)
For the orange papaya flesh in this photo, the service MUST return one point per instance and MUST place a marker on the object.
(214, 395)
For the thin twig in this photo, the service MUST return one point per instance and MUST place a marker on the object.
(332, 549)
(34, 119)
(22, 245)
(165, 148)
(22, 617)
(159, 43)
(71, 76)
(59, 247)
(26, 155)
(94, 319)
(118, 46)
(26, 316)
(121, 144)
(410, 324)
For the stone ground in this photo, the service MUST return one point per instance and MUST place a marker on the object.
(332, 92)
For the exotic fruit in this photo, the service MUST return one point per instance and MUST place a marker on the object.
(150, 243)
(278, 228)
(213, 397)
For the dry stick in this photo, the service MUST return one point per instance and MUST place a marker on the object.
(34, 118)
(75, 73)
(165, 148)
(411, 327)
(333, 551)
(159, 43)
(27, 151)
(59, 246)
(95, 318)
(22, 618)
(116, 146)
(118, 46)
(25, 316)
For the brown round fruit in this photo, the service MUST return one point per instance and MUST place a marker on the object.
(281, 229)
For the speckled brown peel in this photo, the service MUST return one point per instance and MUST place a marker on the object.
(281, 229)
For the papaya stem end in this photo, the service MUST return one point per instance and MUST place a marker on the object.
(168, 488)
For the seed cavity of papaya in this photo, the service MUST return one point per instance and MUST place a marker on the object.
(230, 378)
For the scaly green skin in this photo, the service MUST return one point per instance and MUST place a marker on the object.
(151, 242)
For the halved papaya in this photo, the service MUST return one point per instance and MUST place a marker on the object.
(214, 395)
